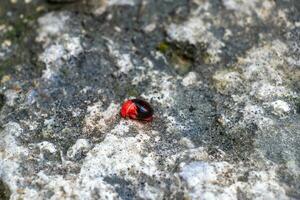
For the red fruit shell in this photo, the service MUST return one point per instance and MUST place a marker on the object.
(137, 109)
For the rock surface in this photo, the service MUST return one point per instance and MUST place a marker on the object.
(222, 76)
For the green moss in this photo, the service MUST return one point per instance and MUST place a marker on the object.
(178, 54)
(4, 191)
(163, 47)
(5, 66)
(126, 90)
(181, 63)
(183, 55)
(21, 35)
(116, 87)
(21, 26)
(64, 72)
(206, 57)
(39, 65)
(16, 34)
(132, 91)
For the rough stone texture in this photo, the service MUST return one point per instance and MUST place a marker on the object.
(223, 78)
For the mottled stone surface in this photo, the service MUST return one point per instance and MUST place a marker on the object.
(222, 76)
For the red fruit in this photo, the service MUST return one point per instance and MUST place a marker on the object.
(137, 109)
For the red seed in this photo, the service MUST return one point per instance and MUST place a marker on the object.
(137, 109)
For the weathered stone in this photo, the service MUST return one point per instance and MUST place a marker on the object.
(222, 77)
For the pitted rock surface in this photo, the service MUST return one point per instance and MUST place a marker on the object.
(223, 78)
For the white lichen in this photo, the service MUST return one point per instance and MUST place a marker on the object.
(46, 147)
(56, 55)
(190, 79)
(261, 8)
(204, 180)
(81, 145)
(58, 41)
(218, 180)
(99, 119)
(280, 108)
(123, 60)
(11, 96)
(116, 155)
(121, 2)
(227, 81)
(11, 154)
(50, 25)
(196, 30)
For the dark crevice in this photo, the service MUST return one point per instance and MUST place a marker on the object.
(2, 101)
(4, 191)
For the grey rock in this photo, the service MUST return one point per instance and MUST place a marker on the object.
(62, 1)
(222, 77)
